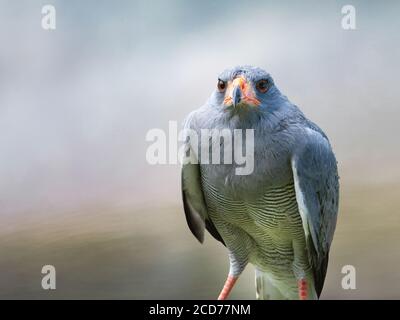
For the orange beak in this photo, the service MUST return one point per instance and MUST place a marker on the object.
(240, 91)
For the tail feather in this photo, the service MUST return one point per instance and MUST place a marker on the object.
(268, 289)
(265, 290)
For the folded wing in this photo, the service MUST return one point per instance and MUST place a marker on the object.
(317, 192)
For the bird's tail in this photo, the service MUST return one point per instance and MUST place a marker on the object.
(265, 289)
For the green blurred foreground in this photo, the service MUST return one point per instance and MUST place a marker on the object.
(148, 253)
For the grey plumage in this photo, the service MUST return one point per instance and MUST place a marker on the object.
(282, 216)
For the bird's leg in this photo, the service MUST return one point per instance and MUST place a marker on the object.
(238, 259)
(303, 290)
(229, 283)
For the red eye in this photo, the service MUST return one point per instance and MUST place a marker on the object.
(262, 86)
(221, 85)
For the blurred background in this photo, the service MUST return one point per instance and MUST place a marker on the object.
(76, 103)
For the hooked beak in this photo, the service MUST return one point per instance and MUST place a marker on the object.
(238, 86)
(240, 91)
(236, 95)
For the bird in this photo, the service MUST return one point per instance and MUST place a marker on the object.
(281, 217)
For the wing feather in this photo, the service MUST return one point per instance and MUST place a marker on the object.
(317, 192)
(194, 203)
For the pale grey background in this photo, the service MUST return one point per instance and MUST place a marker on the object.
(76, 103)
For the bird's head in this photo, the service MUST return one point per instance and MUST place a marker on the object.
(244, 88)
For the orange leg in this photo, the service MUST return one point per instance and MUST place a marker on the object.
(302, 284)
(229, 283)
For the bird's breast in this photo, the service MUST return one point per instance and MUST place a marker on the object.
(271, 221)
(269, 171)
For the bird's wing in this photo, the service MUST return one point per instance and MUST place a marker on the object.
(317, 192)
(194, 203)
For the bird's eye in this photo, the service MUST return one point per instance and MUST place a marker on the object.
(221, 85)
(262, 85)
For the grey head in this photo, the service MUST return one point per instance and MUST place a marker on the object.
(246, 95)
(245, 88)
